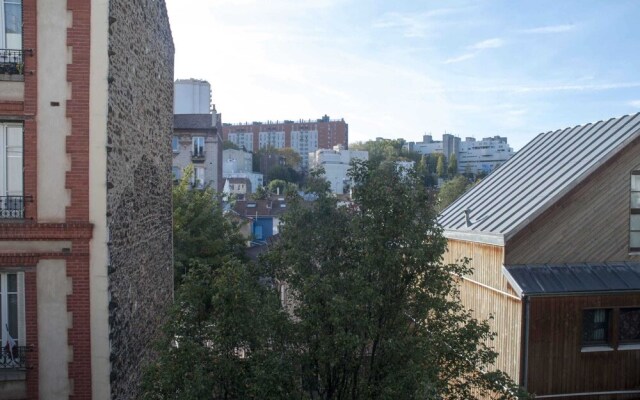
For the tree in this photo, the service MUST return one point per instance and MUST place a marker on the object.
(451, 190)
(283, 172)
(224, 340)
(453, 165)
(281, 187)
(229, 145)
(376, 315)
(200, 232)
(441, 169)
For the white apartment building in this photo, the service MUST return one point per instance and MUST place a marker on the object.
(336, 163)
(242, 140)
(271, 139)
(234, 161)
(304, 143)
(473, 156)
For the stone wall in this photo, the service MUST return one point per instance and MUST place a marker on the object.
(139, 211)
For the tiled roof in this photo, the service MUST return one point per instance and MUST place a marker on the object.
(545, 279)
(535, 178)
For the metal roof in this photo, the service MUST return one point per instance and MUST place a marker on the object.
(575, 278)
(536, 177)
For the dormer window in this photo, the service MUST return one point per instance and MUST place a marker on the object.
(634, 213)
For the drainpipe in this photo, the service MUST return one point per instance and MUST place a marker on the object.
(527, 312)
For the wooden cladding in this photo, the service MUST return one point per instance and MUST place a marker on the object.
(589, 224)
(559, 359)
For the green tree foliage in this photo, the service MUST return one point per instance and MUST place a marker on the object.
(284, 173)
(224, 340)
(441, 169)
(376, 313)
(453, 165)
(229, 145)
(386, 150)
(316, 182)
(200, 233)
(451, 190)
(282, 187)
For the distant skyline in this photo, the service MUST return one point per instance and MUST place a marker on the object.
(409, 68)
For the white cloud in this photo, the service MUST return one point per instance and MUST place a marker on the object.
(476, 49)
(488, 44)
(635, 103)
(548, 29)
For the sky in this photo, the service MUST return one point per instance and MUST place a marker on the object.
(403, 69)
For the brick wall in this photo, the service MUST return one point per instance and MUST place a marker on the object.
(139, 129)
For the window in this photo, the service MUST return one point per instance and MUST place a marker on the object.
(596, 327)
(629, 325)
(177, 172)
(634, 213)
(198, 177)
(198, 146)
(175, 144)
(11, 196)
(11, 37)
(12, 316)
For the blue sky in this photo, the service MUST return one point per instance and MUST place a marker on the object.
(406, 68)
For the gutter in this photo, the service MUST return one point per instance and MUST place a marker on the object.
(581, 395)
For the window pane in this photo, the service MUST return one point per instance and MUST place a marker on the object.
(635, 199)
(175, 144)
(595, 326)
(630, 324)
(12, 283)
(635, 182)
(634, 240)
(635, 222)
(12, 300)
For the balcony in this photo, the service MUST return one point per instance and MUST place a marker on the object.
(12, 63)
(197, 156)
(12, 207)
(15, 359)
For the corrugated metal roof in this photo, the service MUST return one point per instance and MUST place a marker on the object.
(536, 177)
(545, 279)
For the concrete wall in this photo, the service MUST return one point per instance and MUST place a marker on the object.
(139, 130)
(53, 93)
(53, 322)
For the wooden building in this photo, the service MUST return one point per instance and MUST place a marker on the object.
(554, 239)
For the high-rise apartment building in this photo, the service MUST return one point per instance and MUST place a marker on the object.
(472, 155)
(86, 272)
(304, 136)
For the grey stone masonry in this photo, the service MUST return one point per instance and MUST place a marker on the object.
(139, 209)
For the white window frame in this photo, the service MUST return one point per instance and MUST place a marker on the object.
(21, 336)
(11, 155)
(5, 40)
(197, 145)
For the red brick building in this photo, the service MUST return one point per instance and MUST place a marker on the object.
(85, 201)
(304, 136)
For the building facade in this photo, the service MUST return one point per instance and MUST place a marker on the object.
(473, 156)
(553, 241)
(85, 194)
(196, 134)
(303, 136)
(336, 164)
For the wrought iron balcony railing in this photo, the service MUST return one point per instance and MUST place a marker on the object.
(12, 61)
(198, 155)
(12, 207)
(14, 359)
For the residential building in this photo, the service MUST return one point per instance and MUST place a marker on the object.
(473, 156)
(86, 274)
(240, 187)
(236, 161)
(254, 179)
(336, 164)
(262, 217)
(196, 139)
(553, 238)
(304, 136)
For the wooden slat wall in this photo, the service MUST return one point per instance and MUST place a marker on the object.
(590, 224)
(487, 262)
(556, 364)
(506, 321)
